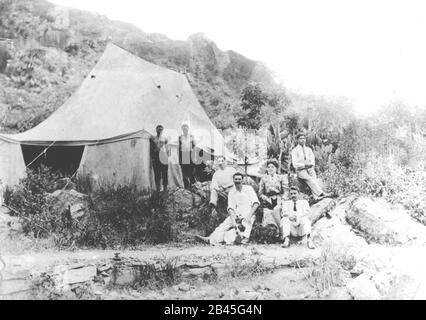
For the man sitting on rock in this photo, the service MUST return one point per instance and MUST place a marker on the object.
(295, 219)
(303, 161)
(222, 181)
(242, 205)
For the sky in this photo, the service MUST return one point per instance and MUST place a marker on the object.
(372, 52)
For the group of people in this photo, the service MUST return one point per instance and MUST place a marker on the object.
(281, 202)
(160, 153)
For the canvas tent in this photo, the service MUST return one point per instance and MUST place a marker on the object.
(103, 129)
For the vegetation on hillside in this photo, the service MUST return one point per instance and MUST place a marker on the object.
(54, 48)
(381, 155)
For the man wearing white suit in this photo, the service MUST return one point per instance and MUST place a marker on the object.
(295, 219)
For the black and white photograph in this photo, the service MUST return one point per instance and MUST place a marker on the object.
(229, 151)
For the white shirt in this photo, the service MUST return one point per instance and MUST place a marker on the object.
(242, 201)
(302, 208)
(301, 156)
(186, 143)
(223, 178)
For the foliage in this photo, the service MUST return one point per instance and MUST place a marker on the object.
(241, 269)
(264, 234)
(118, 216)
(205, 219)
(157, 276)
(28, 197)
(247, 145)
(54, 49)
(123, 216)
(328, 271)
(252, 101)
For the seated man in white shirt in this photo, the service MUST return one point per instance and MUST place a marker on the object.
(303, 161)
(242, 206)
(295, 219)
(222, 180)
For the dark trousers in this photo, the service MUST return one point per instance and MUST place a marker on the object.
(160, 173)
(187, 174)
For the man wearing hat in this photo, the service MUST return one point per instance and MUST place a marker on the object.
(186, 154)
(303, 161)
(295, 219)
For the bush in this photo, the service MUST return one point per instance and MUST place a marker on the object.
(329, 270)
(124, 216)
(117, 216)
(27, 200)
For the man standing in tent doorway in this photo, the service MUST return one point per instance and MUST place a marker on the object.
(160, 152)
(186, 154)
(303, 161)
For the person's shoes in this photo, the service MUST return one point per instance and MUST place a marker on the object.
(245, 241)
(310, 244)
(286, 242)
(202, 239)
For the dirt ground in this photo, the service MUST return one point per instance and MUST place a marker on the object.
(197, 271)
(283, 274)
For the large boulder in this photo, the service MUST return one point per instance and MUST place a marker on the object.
(378, 221)
(363, 288)
(183, 201)
(333, 231)
(61, 201)
(321, 209)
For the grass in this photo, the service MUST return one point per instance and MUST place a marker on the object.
(330, 269)
(241, 269)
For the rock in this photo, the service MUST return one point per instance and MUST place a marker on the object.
(76, 265)
(198, 273)
(59, 201)
(250, 295)
(384, 281)
(341, 207)
(339, 293)
(202, 189)
(362, 288)
(183, 287)
(183, 201)
(334, 232)
(124, 276)
(233, 293)
(363, 267)
(8, 287)
(406, 288)
(79, 275)
(421, 291)
(104, 267)
(321, 209)
(77, 210)
(9, 224)
(382, 223)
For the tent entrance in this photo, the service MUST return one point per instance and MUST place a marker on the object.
(65, 159)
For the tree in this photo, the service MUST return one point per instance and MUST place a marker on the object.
(252, 101)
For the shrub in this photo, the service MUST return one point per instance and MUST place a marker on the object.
(117, 216)
(329, 270)
(27, 200)
(124, 216)
(264, 234)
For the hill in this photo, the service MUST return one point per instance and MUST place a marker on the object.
(53, 48)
